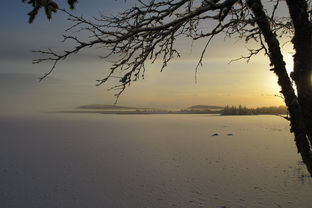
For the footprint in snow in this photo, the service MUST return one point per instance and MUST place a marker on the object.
(216, 134)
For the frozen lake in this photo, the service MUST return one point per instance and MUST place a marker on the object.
(155, 161)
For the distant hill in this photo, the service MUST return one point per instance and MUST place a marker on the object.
(195, 109)
(103, 107)
(205, 107)
(111, 107)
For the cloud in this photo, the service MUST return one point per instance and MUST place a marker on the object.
(18, 82)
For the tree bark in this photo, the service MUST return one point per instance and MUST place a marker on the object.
(297, 120)
(302, 74)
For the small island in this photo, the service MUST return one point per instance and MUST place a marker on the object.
(195, 109)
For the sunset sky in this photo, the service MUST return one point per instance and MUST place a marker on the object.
(73, 81)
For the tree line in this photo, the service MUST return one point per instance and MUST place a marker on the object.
(243, 110)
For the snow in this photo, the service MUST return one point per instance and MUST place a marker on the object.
(155, 161)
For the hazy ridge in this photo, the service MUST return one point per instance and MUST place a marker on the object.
(195, 109)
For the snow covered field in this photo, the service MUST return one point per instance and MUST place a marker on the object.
(155, 161)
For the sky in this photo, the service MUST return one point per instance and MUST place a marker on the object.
(73, 82)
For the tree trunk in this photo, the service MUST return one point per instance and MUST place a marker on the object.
(295, 110)
(302, 74)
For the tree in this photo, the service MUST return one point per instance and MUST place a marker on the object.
(148, 31)
(49, 6)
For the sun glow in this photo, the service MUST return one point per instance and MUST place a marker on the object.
(289, 63)
(288, 58)
(290, 67)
